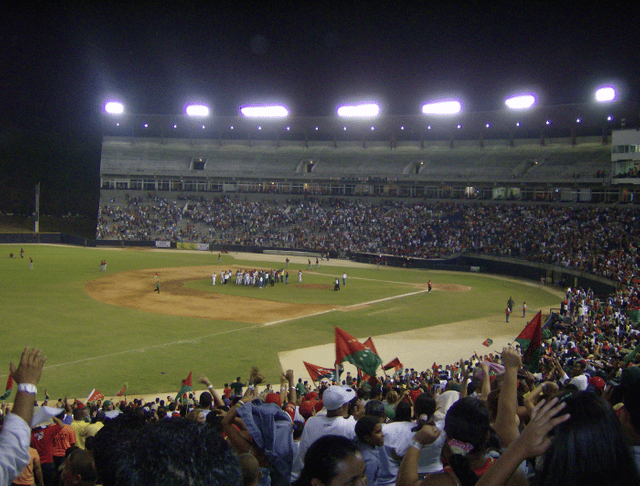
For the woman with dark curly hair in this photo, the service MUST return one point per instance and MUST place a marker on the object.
(582, 442)
(467, 426)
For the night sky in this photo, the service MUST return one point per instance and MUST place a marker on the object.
(59, 64)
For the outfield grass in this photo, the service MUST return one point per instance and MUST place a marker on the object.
(90, 344)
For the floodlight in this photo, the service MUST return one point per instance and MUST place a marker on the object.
(447, 107)
(114, 107)
(520, 102)
(197, 110)
(604, 94)
(264, 111)
(363, 110)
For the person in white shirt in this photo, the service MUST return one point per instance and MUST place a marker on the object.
(336, 400)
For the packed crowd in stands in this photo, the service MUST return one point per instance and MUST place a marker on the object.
(571, 417)
(596, 239)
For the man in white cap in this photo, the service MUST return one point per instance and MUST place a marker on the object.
(337, 421)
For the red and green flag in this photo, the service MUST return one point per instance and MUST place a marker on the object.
(350, 349)
(369, 345)
(488, 342)
(187, 386)
(318, 372)
(9, 387)
(395, 364)
(530, 340)
(121, 392)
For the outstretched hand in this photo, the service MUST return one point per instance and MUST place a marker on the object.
(30, 367)
(511, 358)
(535, 439)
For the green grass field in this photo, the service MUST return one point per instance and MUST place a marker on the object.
(90, 344)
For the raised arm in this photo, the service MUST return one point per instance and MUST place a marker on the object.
(27, 375)
(534, 441)
(464, 379)
(16, 433)
(485, 387)
(505, 425)
(217, 401)
(234, 428)
(290, 395)
(408, 472)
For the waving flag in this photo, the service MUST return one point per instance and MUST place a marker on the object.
(488, 342)
(530, 340)
(350, 349)
(318, 372)
(187, 386)
(9, 387)
(369, 345)
(394, 363)
(94, 396)
(121, 392)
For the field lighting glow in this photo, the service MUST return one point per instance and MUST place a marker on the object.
(264, 111)
(364, 110)
(445, 107)
(520, 102)
(197, 110)
(606, 93)
(114, 107)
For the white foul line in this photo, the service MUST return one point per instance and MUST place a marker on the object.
(194, 340)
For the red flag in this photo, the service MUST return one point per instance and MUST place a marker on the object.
(186, 387)
(95, 395)
(188, 382)
(350, 349)
(346, 344)
(434, 366)
(395, 364)
(530, 340)
(369, 344)
(318, 372)
(121, 392)
(488, 342)
(8, 388)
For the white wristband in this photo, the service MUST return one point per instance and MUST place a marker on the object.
(416, 444)
(27, 388)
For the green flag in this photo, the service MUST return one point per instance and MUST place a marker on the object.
(350, 349)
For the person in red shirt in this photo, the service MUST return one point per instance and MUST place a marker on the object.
(42, 441)
(62, 441)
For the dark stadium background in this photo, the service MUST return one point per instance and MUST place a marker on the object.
(60, 62)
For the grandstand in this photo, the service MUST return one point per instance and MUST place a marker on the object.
(474, 156)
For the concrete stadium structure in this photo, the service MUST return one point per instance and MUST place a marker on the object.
(550, 154)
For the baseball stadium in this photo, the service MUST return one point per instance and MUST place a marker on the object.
(477, 206)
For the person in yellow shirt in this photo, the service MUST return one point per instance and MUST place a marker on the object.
(80, 426)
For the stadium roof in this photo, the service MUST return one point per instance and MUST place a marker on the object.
(554, 121)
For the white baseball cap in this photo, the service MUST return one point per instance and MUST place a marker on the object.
(335, 396)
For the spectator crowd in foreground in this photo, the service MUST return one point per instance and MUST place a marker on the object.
(571, 418)
(597, 239)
